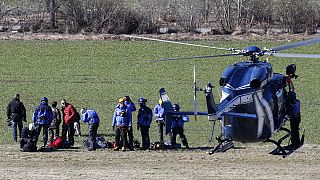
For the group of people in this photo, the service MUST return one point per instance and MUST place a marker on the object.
(48, 119)
(122, 123)
(45, 118)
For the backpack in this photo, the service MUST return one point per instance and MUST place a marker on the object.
(57, 143)
(101, 142)
(29, 146)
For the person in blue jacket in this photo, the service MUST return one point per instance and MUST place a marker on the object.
(158, 112)
(91, 117)
(120, 125)
(131, 107)
(177, 128)
(144, 121)
(42, 118)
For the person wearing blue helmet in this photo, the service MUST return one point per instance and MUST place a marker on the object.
(177, 128)
(42, 118)
(144, 121)
(91, 117)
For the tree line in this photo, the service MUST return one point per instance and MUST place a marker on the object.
(152, 16)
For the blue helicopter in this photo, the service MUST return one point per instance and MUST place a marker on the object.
(255, 102)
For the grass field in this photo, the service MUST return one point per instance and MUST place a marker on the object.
(96, 73)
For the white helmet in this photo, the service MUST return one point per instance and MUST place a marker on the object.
(31, 126)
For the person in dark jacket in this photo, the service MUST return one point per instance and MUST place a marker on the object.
(177, 128)
(26, 142)
(55, 124)
(144, 121)
(16, 113)
(42, 118)
(91, 117)
(293, 111)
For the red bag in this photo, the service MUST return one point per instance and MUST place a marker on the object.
(57, 143)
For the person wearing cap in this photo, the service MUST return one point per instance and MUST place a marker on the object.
(91, 117)
(54, 126)
(42, 118)
(68, 114)
(158, 112)
(16, 113)
(144, 122)
(131, 107)
(120, 125)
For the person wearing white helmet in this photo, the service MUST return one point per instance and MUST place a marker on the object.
(158, 112)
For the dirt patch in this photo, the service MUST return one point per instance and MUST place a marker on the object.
(252, 162)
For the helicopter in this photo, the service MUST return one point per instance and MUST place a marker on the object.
(256, 102)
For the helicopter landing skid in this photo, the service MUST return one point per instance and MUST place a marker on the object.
(223, 146)
(285, 151)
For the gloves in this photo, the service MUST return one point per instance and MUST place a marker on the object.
(138, 128)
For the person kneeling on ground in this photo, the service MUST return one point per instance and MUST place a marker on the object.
(26, 143)
(91, 117)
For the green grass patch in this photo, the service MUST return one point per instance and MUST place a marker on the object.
(96, 73)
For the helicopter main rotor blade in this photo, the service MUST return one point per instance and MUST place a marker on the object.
(175, 42)
(194, 57)
(295, 55)
(297, 44)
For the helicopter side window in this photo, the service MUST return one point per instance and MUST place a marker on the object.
(223, 81)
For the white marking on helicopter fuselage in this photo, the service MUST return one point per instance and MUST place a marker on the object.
(263, 109)
(268, 112)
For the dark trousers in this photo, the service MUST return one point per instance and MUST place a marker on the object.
(44, 128)
(145, 137)
(121, 132)
(54, 132)
(130, 136)
(173, 136)
(68, 129)
(16, 124)
(294, 125)
(93, 129)
(160, 125)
